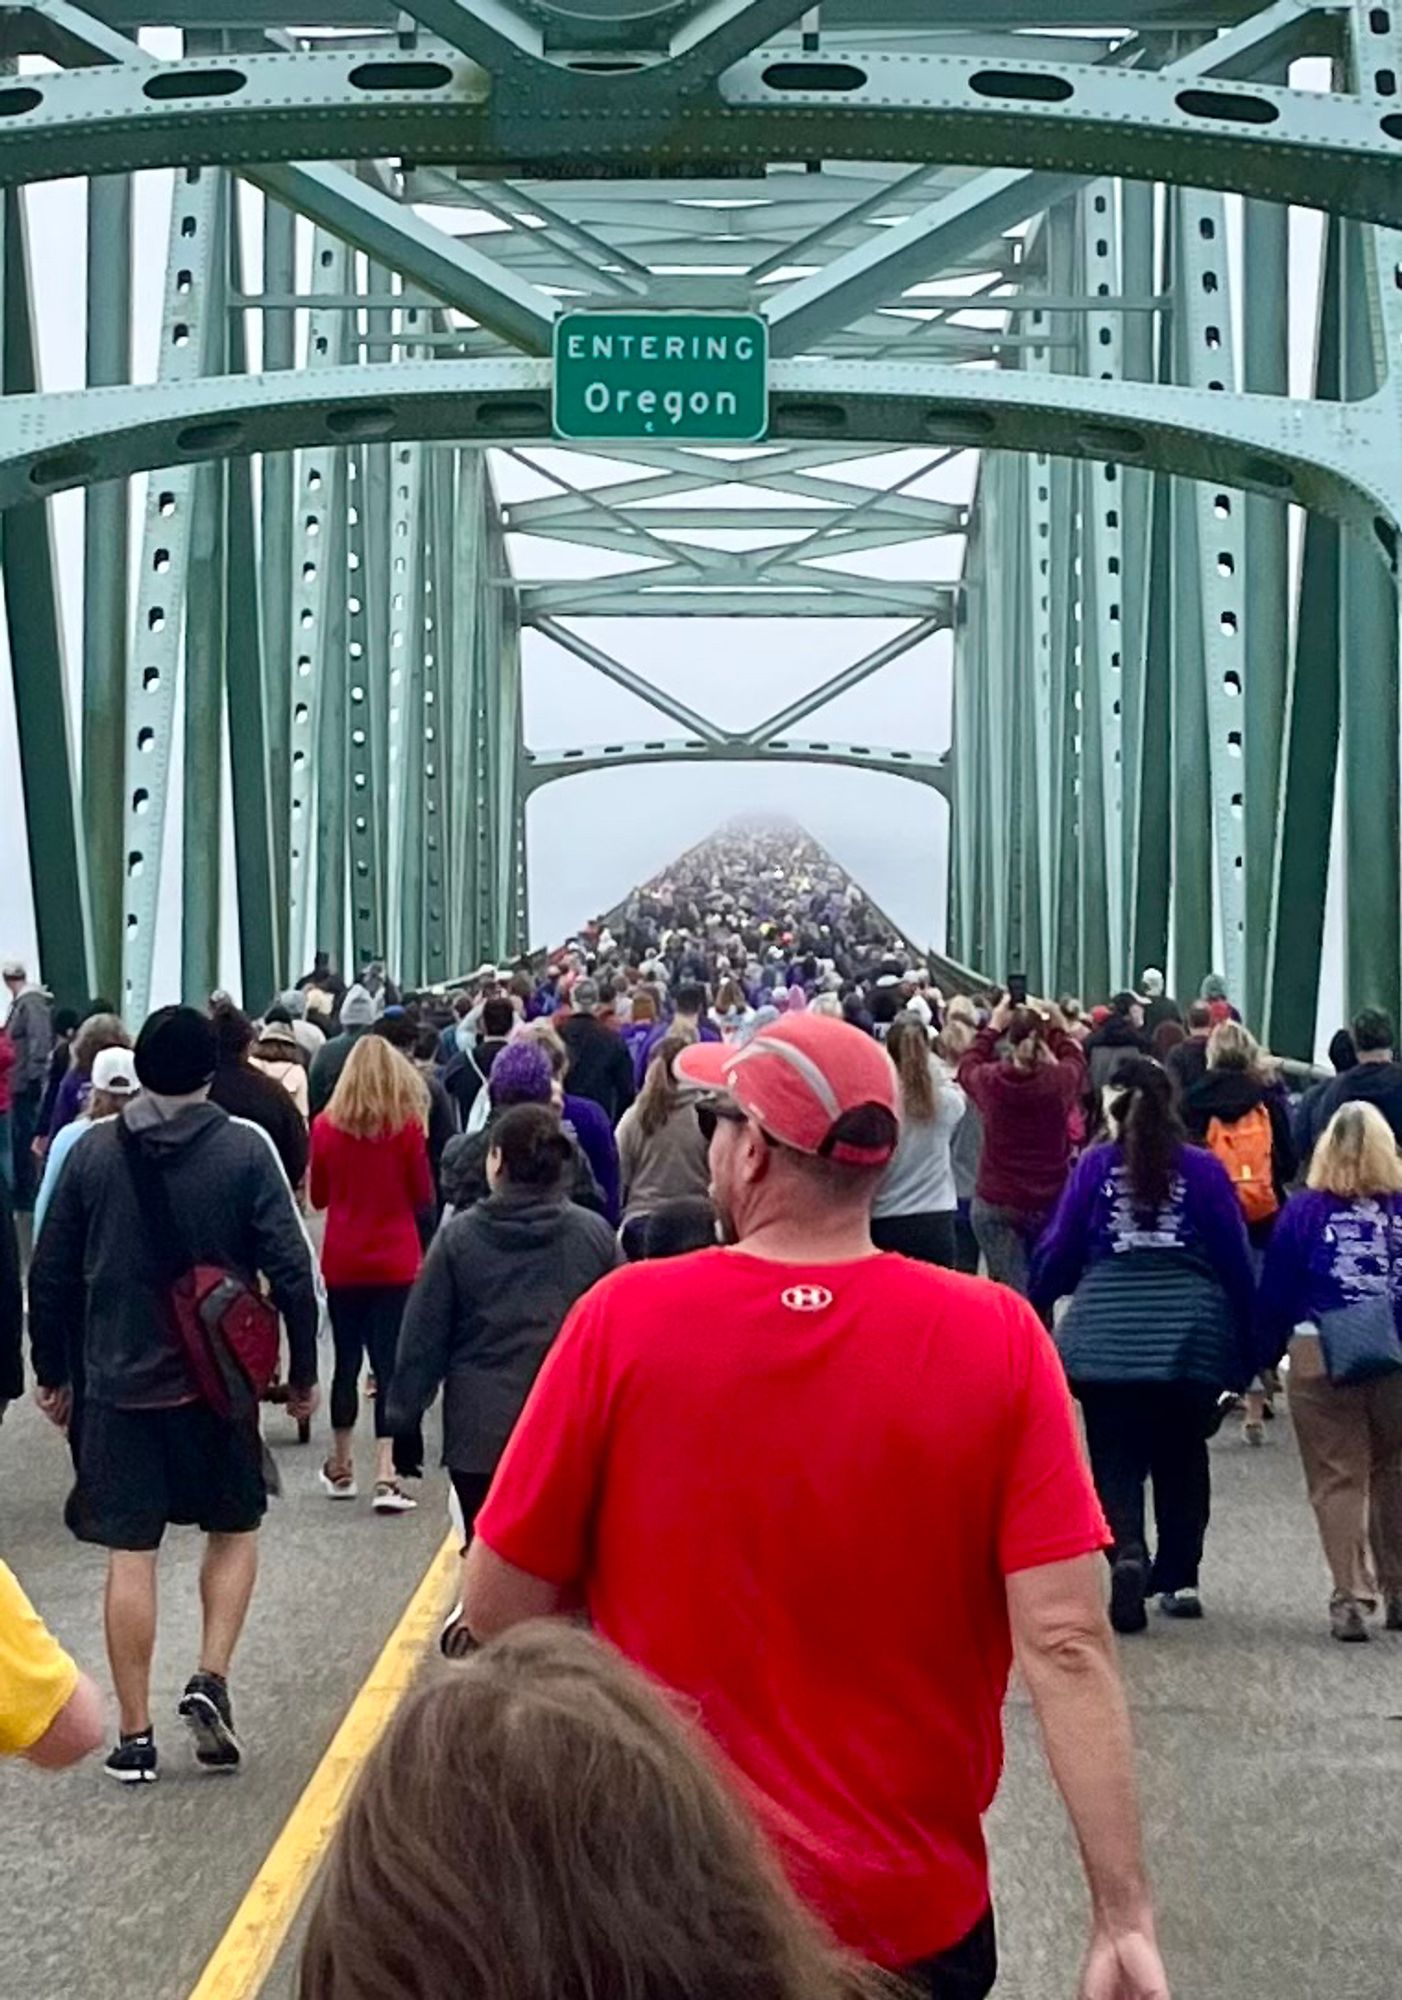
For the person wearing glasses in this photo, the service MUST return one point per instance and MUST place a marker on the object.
(823, 1494)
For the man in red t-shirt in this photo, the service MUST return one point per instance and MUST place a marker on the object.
(823, 1493)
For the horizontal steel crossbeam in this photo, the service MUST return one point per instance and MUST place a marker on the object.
(1336, 458)
(1326, 151)
(545, 767)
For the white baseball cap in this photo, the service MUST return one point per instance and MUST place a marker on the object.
(114, 1071)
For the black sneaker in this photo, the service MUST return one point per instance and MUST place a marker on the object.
(206, 1710)
(133, 1761)
(1129, 1584)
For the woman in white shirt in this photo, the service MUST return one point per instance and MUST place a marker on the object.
(915, 1203)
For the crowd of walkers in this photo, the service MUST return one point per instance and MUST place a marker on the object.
(620, 1204)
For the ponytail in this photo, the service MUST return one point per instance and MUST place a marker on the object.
(1144, 1108)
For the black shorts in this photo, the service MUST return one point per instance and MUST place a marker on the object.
(140, 1470)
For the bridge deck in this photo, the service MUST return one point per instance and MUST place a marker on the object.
(1272, 1759)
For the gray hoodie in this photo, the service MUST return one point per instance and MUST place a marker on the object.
(29, 1026)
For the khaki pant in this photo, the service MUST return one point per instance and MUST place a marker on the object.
(1351, 1446)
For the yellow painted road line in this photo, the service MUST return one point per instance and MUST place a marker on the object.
(246, 1953)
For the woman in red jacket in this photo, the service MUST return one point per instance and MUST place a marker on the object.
(370, 1172)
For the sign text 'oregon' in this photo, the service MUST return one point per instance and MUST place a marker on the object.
(662, 375)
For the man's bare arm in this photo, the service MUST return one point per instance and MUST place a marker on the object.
(496, 1595)
(1067, 1658)
(75, 1732)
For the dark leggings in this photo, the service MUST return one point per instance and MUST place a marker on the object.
(471, 1489)
(364, 1320)
(967, 1971)
(1156, 1432)
(929, 1238)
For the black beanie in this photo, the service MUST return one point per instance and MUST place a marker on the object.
(176, 1051)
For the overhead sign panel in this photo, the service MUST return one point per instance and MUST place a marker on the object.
(662, 375)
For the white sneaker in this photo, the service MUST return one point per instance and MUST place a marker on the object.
(390, 1498)
(338, 1486)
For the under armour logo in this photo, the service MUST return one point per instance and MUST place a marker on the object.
(806, 1298)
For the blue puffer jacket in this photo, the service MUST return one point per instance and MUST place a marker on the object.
(1162, 1297)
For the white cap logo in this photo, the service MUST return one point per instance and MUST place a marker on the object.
(806, 1298)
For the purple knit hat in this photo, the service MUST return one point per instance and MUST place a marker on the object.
(521, 1074)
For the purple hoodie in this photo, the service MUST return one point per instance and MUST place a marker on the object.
(1327, 1251)
(1095, 1219)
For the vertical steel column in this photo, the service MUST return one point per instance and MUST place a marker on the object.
(1368, 663)
(1136, 487)
(1151, 828)
(1265, 302)
(365, 647)
(1210, 567)
(1102, 628)
(319, 662)
(467, 615)
(57, 860)
(278, 474)
(202, 794)
(437, 638)
(998, 568)
(190, 322)
(406, 636)
(106, 564)
(1373, 297)
(1300, 887)
(259, 925)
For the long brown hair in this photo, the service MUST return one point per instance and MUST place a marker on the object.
(659, 1096)
(378, 1092)
(542, 1825)
(908, 1046)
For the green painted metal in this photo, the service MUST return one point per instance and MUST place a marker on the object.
(639, 375)
(57, 862)
(1141, 772)
(106, 566)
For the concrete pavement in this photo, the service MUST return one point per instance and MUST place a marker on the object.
(1271, 1758)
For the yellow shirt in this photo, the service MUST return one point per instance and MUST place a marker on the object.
(36, 1675)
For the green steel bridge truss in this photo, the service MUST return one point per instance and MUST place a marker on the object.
(992, 227)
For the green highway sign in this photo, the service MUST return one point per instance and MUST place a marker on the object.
(684, 375)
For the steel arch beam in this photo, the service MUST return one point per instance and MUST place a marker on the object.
(1333, 458)
(1326, 151)
(545, 767)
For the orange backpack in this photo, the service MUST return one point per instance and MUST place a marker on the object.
(1244, 1148)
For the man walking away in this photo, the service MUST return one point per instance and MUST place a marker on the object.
(828, 1521)
(29, 1025)
(1158, 1005)
(599, 1065)
(1187, 1064)
(1375, 1078)
(112, 1367)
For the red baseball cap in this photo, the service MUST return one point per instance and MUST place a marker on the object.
(801, 1079)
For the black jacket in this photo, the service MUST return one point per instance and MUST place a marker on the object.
(488, 1303)
(1187, 1064)
(463, 1182)
(95, 1299)
(11, 1304)
(1111, 1042)
(246, 1092)
(600, 1065)
(1229, 1094)
(1378, 1084)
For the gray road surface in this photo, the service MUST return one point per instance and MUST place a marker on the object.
(1272, 1758)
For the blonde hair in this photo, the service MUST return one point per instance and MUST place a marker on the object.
(1230, 1046)
(378, 1092)
(551, 1040)
(1357, 1154)
(956, 1037)
(962, 1008)
(827, 1003)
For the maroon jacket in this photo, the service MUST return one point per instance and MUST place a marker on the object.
(1026, 1138)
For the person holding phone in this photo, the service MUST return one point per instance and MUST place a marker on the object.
(1024, 1073)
